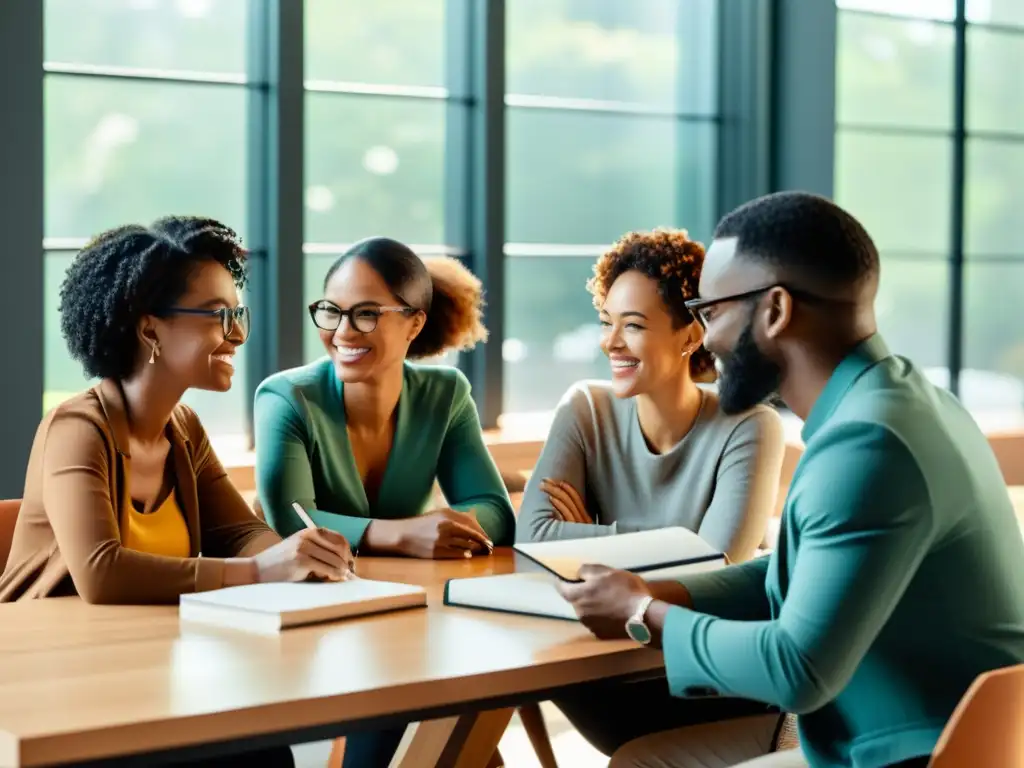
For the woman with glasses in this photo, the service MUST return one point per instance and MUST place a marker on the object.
(652, 449)
(123, 490)
(359, 437)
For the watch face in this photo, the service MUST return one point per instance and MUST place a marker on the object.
(638, 632)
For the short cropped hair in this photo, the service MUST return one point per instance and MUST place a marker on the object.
(674, 261)
(805, 235)
(131, 271)
(449, 294)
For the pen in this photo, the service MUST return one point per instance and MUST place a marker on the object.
(303, 515)
(308, 522)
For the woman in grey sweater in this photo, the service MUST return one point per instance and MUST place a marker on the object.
(651, 449)
(648, 450)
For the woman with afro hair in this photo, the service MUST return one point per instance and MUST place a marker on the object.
(651, 449)
(123, 490)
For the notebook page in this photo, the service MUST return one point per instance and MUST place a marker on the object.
(627, 551)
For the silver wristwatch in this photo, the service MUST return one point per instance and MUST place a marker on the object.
(636, 627)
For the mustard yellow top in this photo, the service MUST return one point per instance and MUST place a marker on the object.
(160, 532)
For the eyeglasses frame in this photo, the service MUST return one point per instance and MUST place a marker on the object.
(229, 317)
(696, 305)
(349, 313)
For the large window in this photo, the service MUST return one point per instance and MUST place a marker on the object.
(892, 168)
(897, 143)
(993, 334)
(610, 127)
(144, 116)
(375, 131)
(611, 124)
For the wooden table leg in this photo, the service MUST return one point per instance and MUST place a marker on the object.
(537, 731)
(464, 741)
(337, 753)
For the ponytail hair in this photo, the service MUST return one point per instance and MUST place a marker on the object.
(455, 316)
(448, 294)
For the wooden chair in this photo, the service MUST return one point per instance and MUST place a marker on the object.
(8, 516)
(985, 728)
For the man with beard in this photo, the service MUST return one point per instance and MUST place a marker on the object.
(899, 573)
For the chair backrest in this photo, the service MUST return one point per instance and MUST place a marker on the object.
(985, 728)
(1009, 450)
(8, 516)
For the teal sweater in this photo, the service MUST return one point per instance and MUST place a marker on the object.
(303, 454)
(898, 577)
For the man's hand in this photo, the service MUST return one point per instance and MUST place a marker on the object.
(605, 600)
(566, 501)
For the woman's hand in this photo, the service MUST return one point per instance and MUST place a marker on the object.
(441, 534)
(312, 552)
(566, 501)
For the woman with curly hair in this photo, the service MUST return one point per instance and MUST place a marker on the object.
(359, 437)
(648, 450)
(651, 448)
(123, 490)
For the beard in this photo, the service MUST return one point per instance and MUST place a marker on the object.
(746, 376)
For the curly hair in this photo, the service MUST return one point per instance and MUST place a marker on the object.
(673, 261)
(449, 294)
(455, 318)
(131, 271)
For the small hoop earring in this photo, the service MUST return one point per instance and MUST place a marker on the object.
(154, 353)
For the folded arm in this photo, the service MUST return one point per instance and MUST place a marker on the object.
(564, 458)
(864, 525)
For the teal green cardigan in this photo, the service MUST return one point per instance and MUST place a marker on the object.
(898, 577)
(303, 454)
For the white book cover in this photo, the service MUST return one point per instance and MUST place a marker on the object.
(272, 607)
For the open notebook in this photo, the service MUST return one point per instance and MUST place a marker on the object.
(275, 606)
(637, 552)
(669, 553)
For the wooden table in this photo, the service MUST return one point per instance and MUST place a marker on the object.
(81, 682)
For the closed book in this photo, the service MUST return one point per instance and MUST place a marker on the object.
(272, 607)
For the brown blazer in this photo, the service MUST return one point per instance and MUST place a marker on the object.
(68, 538)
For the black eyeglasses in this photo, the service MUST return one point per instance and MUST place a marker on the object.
(229, 317)
(699, 307)
(363, 317)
